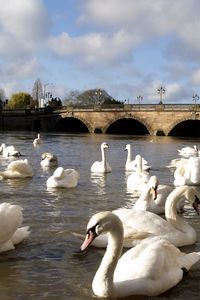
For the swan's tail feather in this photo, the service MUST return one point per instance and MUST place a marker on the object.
(190, 259)
(20, 234)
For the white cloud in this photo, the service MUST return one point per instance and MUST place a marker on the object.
(23, 24)
(196, 77)
(94, 47)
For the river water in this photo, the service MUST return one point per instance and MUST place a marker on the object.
(47, 265)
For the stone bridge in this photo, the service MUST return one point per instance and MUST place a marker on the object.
(154, 119)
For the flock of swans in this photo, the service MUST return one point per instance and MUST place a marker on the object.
(154, 263)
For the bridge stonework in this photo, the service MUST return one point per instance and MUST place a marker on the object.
(157, 120)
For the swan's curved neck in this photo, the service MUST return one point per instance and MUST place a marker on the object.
(144, 199)
(171, 214)
(103, 285)
(103, 153)
(129, 157)
(2, 147)
(139, 165)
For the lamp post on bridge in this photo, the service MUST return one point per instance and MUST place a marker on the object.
(98, 94)
(47, 95)
(139, 99)
(195, 98)
(161, 91)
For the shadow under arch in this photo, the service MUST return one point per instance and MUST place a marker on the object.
(185, 128)
(72, 124)
(127, 125)
(37, 125)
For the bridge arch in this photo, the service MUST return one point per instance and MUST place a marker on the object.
(188, 126)
(114, 125)
(70, 120)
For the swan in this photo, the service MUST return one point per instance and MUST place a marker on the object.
(49, 160)
(136, 181)
(188, 151)
(37, 141)
(11, 233)
(102, 166)
(150, 268)
(131, 165)
(187, 172)
(9, 151)
(154, 196)
(139, 225)
(65, 178)
(17, 169)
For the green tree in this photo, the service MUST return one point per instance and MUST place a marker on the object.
(19, 100)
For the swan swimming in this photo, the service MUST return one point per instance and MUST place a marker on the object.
(139, 225)
(11, 233)
(131, 165)
(150, 268)
(188, 151)
(9, 151)
(65, 178)
(187, 172)
(17, 169)
(49, 160)
(154, 196)
(102, 166)
(37, 141)
(136, 181)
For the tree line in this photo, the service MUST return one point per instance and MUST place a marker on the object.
(40, 98)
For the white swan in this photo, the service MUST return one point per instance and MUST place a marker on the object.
(49, 160)
(65, 178)
(188, 151)
(136, 181)
(188, 172)
(131, 165)
(17, 169)
(102, 166)
(154, 196)
(139, 224)
(150, 268)
(11, 233)
(9, 151)
(37, 141)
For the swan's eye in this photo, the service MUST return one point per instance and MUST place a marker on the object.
(93, 229)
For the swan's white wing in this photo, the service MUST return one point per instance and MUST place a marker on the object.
(10, 219)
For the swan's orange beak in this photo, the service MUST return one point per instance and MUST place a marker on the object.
(90, 236)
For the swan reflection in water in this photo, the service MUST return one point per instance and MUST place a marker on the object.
(18, 182)
(99, 181)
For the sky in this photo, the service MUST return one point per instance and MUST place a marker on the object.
(129, 48)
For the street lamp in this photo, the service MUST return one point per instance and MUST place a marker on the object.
(195, 98)
(98, 94)
(47, 95)
(161, 92)
(139, 99)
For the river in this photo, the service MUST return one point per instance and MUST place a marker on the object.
(47, 265)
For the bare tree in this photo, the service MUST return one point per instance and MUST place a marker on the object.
(2, 98)
(37, 92)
